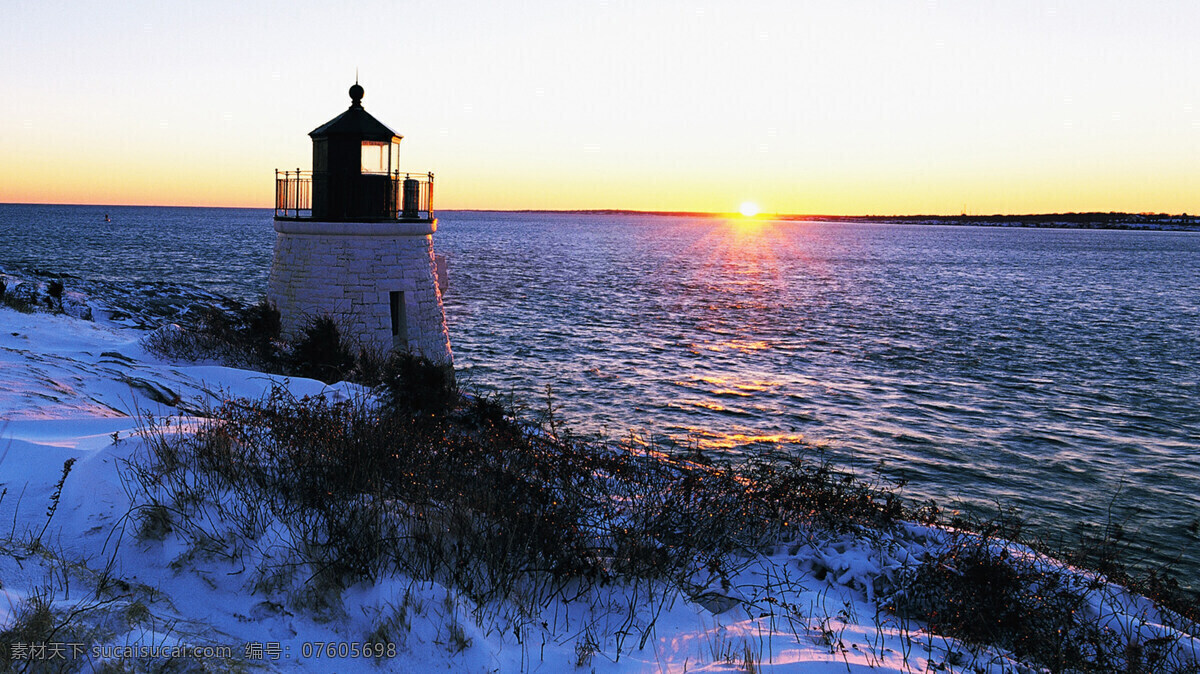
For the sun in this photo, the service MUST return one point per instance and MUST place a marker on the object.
(749, 209)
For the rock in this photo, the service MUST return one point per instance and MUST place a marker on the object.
(28, 292)
(75, 304)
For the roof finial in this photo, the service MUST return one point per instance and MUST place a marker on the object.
(356, 92)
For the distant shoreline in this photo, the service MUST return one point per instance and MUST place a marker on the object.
(1153, 221)
(1089, 220)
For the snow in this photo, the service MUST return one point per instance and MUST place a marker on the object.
(74, 389)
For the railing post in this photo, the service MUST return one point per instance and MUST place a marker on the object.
(397, 196)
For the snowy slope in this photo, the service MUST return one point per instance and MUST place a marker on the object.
(83, 391)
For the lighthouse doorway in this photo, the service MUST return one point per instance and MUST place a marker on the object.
(399, 321)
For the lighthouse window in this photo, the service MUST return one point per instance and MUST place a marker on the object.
(399, 320)
(374, 157)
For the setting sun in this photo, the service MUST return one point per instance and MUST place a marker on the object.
(748, 209)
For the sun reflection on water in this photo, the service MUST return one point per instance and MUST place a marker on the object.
(740, 345)
(742, 439)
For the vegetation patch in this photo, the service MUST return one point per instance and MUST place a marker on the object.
(980, 587)
(321, 353)
(424, 481)
(247, 336)
(433, 484)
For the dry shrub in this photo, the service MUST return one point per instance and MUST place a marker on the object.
(437, 485)
(321, 353)
(247, 336)
(977, 587)
(442, 486)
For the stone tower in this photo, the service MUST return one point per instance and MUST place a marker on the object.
(354, 241)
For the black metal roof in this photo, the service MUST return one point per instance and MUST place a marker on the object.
(355, 122)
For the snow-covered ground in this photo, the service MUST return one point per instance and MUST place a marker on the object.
(72, 389)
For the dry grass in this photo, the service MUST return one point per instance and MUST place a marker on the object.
(440, 486)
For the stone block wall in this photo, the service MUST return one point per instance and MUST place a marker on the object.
(348, 270)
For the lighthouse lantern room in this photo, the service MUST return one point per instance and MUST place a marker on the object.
(354, 241)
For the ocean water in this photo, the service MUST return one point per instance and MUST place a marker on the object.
(1051, 371)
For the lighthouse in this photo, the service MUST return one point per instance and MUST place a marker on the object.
(354, 242)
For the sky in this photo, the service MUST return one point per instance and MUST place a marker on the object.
(838, 107)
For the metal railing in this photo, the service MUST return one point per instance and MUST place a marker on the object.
(394, 196)
(293, 194)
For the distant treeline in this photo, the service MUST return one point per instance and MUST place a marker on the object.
(1111, 220)
(1071, 220)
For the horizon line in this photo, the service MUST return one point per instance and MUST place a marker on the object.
(670, 213)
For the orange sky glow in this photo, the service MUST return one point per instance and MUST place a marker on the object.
(828, 108)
